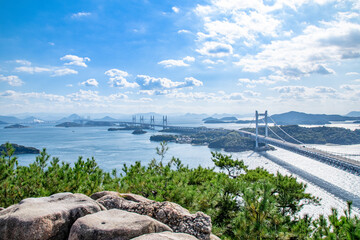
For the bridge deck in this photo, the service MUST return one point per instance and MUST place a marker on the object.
(347, 164)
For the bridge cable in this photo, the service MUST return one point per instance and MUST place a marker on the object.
(285, 132)
(275, 133)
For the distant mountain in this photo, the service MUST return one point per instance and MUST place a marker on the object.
(107, 118)
(10, 119)
(71, 118)
(32, 120)
(296, 118)
(229, 119)
(353, 114)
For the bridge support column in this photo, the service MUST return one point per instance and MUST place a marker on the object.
(152, 122)
(134, 120)
(266, 124)
(165, 122)
(257, 129)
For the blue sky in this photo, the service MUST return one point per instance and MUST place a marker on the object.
(213, 56)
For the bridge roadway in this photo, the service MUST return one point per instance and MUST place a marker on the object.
(340, 162)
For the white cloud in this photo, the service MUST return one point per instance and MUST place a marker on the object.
(63, 71)
(32, 70)
(75, 60)
(161, 86)
(352, 73)
(81, 14)
(23, 62)
(12, 80)
(253, 83)
(90, 83)
(184, 31)
(215, 49)
(308, 53)
(175, 9)
(69, 85)
(177, 63)
(118, 79)
(303, 92)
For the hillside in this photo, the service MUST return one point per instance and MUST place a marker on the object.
(296, 118)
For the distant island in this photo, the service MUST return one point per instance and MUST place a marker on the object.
(69, 124)
(298, 118)
(220, 120)
(230, 141)
(1, 122)
(16, 126)
(138, 132)
(19, 149)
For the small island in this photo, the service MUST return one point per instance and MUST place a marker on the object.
(16, 126)
(69, 124)
(19, 149)
(138, 132)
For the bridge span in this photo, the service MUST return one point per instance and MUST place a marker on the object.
(340, 162)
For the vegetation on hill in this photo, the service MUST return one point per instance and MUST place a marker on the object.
(305, 118)
(16, 126)
(243, 203)
(230, 141)
(315, 135)
(20, 149)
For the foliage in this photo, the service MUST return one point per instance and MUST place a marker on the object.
(315, 135)
(243, 203)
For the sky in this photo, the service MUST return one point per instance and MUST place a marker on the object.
(179, 56)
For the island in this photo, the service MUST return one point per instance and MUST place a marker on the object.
(229, 141)
(69, 124)
(16, 126)
(19, 149)
(138, 132)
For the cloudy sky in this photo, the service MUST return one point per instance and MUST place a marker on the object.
(178, 56)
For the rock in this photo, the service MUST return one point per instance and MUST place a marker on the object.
(1, 208)
(172, 214)
(166, 236)
(214, 237)
(46, 217)
(114, 224)
(98, 195)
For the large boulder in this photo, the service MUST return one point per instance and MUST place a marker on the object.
(114, 224)
(46, 217)
(172, 214)
(166, 236)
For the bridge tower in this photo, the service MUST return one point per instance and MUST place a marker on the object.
(165, 122)
(257, 114)
(134, 119)
(152, 122)
(141, 120)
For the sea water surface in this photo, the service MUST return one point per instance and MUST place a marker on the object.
(112, 149)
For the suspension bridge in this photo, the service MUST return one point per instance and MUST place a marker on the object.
(338, 160)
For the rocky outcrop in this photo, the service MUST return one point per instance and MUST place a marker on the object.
(115, 224)
(46, 217)
(172, 214)
(166, 236)
(1, 208)
(106, 215)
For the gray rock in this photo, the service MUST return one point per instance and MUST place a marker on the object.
(114, 224)
(1, 208)
(46, 217)
(172, 214)
(214, 237)
(166, 236)
(98, 195)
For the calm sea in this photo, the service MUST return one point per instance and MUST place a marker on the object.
(113, 149)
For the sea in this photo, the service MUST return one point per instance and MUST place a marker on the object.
(113, 149)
